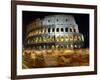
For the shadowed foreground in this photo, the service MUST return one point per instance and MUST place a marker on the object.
(55, 58)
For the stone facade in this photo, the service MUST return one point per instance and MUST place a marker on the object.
(54, 31)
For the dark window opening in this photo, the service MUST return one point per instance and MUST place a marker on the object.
(57, 20)
(49, 30)
(62, 29)
(70, 30)
(57, 29)
(66, 29)
(53, 29)
(74, 30)
(66, 20)
(48, 20)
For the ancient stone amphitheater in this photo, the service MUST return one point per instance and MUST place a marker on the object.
(54, 41)
(53, 31)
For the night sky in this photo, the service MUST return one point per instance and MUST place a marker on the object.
(81, 19)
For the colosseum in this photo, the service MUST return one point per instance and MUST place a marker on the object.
(54, 31)
(54, 41)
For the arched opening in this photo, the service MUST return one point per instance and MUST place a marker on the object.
(62, 30)
(57, 30)
(74, 30)
(66, 38)
(48, 30)
(66, 29)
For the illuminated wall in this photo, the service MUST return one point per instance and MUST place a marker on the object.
(54, 31)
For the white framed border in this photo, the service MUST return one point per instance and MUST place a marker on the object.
(36, 71)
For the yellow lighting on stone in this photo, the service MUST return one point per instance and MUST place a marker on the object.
(71, 38)
(48, 39)
(71, 46)
(75, 38)
(75, 45)
(39, 32)
(66, 38)
(36, 40)
(44, 46)
(79, 38)
(53, 46)
(40, 39)
(57, 46)
(67, 46)
(52, 38)
(44, 39)
(61, 39)
(36, 32)
(57, 38)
